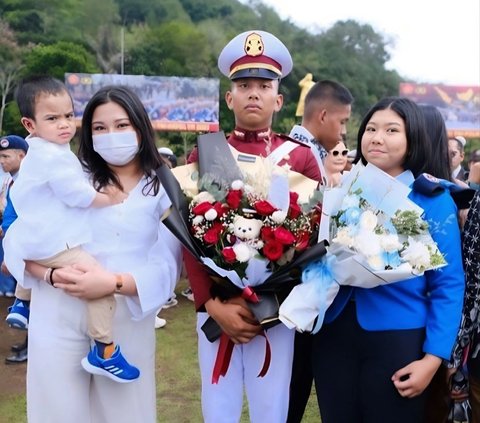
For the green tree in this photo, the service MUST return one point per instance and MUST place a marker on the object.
(58, 58)
(42, 21)
(355, 55)
(10, 66)
(171, 49)
(152, 12)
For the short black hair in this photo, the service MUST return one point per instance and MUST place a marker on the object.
(327, 90)
(418, 144)
(30, 88)
(461, 149)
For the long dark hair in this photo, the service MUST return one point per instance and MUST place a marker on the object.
(418, 145)
(439, 160)
(148, 154)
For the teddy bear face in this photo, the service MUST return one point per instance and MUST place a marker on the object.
(246, 229)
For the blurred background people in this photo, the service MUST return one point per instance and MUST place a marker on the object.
(473, 174)
(335, 163)
(12, 151)
(168, 156)
(456, 148)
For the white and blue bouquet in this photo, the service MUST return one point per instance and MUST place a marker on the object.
(376, 236)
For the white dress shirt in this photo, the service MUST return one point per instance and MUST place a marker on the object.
(50, 197)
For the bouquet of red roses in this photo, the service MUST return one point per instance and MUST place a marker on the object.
(242, 231)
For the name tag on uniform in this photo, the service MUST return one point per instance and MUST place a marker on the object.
(245, 158)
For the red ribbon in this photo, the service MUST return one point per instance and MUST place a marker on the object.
(225, 347)
(249, 294)
(224, 354)
(268, 356)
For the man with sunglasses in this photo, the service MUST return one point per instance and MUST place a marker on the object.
(328, 106)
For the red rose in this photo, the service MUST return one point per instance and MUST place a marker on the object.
(273, 250)
(293, 197)
(302, 241)
(266, 233)
(229, 255)
(284, 236)
(234, 198)
(212, 235)
(220, 208)
(264, 208)
(294, 211)
(201, 208)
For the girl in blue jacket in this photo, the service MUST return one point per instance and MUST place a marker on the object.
(379, 348)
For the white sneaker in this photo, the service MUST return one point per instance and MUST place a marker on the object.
(172, 302)
(159, 322)
(188, 293)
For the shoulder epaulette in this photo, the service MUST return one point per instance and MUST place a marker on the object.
(430, 185)
(289, 138)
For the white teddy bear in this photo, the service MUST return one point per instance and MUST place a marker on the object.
(247, 232)
(246, 229)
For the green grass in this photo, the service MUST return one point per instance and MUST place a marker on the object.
(178, 377)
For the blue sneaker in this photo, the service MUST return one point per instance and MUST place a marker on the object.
(18, 315)
(115, 367)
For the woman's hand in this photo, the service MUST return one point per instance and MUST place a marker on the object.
(235, 319)
(412, 379)
(86, 282)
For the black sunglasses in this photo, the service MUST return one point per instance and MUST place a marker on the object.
(336, 153)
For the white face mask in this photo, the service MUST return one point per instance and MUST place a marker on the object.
(116, 148)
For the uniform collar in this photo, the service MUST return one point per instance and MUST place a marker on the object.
(301, 134)
(261, 135)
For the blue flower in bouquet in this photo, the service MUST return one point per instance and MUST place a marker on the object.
(392, 260)
(351, 216)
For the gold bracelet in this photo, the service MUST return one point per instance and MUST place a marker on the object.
(119, 282)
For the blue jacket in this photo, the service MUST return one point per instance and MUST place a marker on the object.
(9, 214)
(433, 301)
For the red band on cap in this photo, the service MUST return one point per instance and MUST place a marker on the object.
(257, 61)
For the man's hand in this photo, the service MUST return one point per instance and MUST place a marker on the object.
(235, 319)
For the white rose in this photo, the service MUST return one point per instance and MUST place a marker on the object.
(376, 262)
(237, 184)
(197, 220)
(367, 243)
(279, 216)
(203, 196)
(390, 243)
(343, 238)
(416, 254)
(243, 252)
(211, 214)
(368, 220)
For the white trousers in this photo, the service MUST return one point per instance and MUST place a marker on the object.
(59, 390)
(267, 396)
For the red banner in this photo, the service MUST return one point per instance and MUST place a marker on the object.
(459, 105)
(173, 103)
